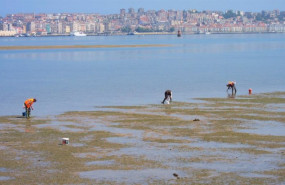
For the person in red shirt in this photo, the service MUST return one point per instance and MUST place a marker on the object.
(28, 104)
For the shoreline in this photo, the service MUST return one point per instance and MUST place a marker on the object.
(194, 100)
(79, 46)
(147, 33)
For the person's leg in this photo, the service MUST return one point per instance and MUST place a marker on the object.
(228, 87)
(164, 99)
(27, 112)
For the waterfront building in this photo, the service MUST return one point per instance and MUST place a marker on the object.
(189, 21)
(67, 29)
(131, 11)
(122, 12)
(31, 27)
(101, 28)
(140, 11)
(48, 28)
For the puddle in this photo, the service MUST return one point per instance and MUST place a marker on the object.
(215, 145)
(256, 175)
(280, 107)
(101, 163)
(87, 138)
(125, 131)
(3, 170)
(263, 116)
(5, 178)
(39, 162)
(3, 147)
(123, 140)
(61, 126)
(164, 155)
(273, 128)
(77, 144)
(6, 126)
(187, 117)
(198, 101)
(243, 163)
(144, 176)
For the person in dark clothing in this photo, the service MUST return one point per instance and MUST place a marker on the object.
(167, 95)
(232, 85)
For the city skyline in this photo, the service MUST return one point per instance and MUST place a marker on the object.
(114, 6)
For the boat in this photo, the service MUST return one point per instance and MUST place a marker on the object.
(207, 33)
(78, 34)
(132, 33)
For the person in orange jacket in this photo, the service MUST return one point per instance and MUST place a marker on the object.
(232, 85)
(28, 105)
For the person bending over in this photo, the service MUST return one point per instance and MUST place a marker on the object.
(232, 85)
(167, 95)
(28, 104)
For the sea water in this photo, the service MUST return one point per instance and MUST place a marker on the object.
(191, 66)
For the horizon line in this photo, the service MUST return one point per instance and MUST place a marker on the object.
(72, 12)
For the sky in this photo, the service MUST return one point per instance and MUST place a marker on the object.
(114, 6)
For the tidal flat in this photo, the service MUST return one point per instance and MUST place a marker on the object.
(233, 142)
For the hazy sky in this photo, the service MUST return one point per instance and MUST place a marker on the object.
(114, 6)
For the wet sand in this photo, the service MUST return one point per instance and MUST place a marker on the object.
(79, 46)
(237, 141)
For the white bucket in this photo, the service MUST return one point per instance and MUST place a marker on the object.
(65, 141)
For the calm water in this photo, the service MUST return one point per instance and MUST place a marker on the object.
(80, 79)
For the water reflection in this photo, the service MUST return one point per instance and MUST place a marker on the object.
(231, 95)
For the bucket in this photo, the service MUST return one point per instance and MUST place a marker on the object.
(24, 114)
(65, 141)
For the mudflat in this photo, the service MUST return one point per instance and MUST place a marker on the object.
(234, 140)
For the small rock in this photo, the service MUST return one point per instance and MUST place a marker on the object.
(176, 175)
(196, 119)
